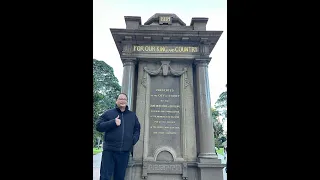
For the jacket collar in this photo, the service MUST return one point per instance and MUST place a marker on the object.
(117, 108)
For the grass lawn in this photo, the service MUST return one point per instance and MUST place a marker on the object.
(96, 150)
(220, 151)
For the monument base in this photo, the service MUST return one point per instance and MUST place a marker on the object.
(205, 169)
(210, 168)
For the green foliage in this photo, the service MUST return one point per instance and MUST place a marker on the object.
(223, 139)
(105, 89)
(217, 127)
(220, 110)
(221, 104)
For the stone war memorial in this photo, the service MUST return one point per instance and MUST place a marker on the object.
(165, 75)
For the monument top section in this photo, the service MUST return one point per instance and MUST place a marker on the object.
(165, 19)
(165, 35)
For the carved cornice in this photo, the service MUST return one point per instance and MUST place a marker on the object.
(186, 33)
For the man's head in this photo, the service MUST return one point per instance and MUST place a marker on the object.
(122, 100)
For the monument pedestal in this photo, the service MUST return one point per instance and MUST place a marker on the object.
(210, 169)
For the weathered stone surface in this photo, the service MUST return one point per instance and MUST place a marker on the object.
(164, 119)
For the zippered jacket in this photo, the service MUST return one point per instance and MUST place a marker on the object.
(119, 138)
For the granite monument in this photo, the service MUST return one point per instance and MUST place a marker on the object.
(165, 76)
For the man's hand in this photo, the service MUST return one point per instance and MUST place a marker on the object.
(118, 121)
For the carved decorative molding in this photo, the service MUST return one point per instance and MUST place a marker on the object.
(164, 168)
(202, 62)
(129, 61)
(127, 48)
(165, 69)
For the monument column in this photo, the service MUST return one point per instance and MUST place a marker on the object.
(128, 79)
(204, 110)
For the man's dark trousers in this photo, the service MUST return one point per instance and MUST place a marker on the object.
(114, 163)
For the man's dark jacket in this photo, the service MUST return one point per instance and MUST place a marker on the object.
(119, 138)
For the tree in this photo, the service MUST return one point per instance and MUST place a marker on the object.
(221, 110)
(97, 97)
(221, 104)
(105, 89)
(218, 128)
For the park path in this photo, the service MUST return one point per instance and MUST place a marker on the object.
(96, 166)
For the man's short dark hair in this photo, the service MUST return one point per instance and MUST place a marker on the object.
(123, 94)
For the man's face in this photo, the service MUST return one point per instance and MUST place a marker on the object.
(122, 101)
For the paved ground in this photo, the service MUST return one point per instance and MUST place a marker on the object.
(224, 169)
(96, 166)
(97, 161)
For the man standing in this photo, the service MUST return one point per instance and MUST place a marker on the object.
(121, 132)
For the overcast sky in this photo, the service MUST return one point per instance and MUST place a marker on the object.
(110, 14)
